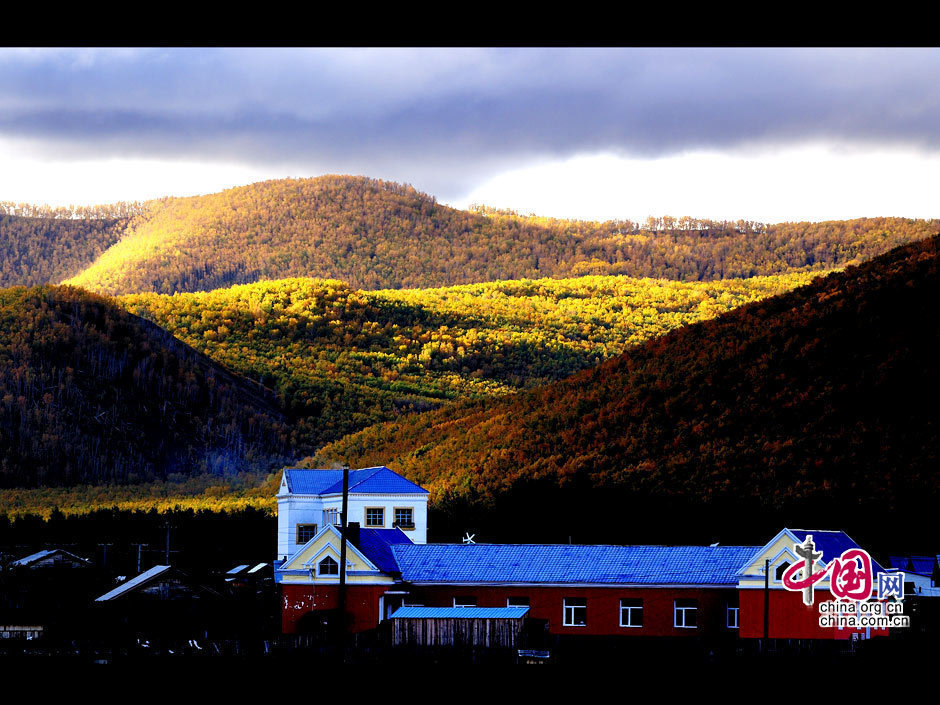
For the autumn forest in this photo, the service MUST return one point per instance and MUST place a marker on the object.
(182, 351)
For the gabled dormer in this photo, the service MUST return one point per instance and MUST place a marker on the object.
(368, 557)
(779, 551)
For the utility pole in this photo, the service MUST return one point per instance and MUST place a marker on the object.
(140, 547)
(167, 551)
(104, 560)
(766, 602)
(342, 564)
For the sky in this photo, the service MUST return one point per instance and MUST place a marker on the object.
(762, 134)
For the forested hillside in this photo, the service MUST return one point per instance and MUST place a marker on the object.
(92, 394)
(343, 359)
(41, 245)
(824, 395)
(374, 234)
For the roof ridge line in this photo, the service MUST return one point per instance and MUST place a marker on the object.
(377, 469)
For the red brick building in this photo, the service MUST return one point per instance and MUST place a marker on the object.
(599, 590)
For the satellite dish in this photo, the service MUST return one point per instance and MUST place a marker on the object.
(468, 538)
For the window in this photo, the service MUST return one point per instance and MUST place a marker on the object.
(517, 602)
(331, 516)
(465, 602)
(375, 516)
(781, 569)
(686, 613)
(405, 517)
(575, 612)
(733, 610)
(328, 566)
(305, 532)
(631, 612)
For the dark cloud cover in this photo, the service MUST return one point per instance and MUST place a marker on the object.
(450, 117)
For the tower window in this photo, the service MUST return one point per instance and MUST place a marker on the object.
(405, 517)
(305, 532)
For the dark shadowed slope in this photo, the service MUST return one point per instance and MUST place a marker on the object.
(825, 395)
(42, 250)
(92, 394)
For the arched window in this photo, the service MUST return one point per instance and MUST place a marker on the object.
(328, 566)
(781, 569)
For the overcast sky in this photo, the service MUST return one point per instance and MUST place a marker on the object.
(764, 134)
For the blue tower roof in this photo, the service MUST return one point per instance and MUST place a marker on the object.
(377, 480)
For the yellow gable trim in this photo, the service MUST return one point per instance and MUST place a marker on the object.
(326, 543)
(775, 551)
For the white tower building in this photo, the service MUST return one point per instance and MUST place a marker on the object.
(379, 498)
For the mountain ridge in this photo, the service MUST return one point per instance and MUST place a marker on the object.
(377, 234)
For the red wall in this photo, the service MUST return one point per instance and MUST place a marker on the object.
(603, 607)
(362, 601)
(789, 617)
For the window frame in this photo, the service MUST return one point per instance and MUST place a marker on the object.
(736, 610)
(630, 609)
(396, 524)
(565, 607)
(528, 601)
(324, 560)
(299, 527)
(684, 610)
(466, 597)
(365, 516)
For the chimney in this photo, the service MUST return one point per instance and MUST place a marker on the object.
(352, 533)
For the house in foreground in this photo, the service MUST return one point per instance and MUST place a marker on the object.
(568, 590)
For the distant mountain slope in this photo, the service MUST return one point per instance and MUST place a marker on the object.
(374, 234)
(826, 394)
(343, 359)
(43, 249)
(92, 394)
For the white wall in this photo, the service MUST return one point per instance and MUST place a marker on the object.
(308, 509)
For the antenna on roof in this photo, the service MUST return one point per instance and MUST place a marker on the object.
(468, 538)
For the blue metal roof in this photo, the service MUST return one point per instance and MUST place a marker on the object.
(832, 544)
(460, 612)
(377, 480)
(376, 545)
(564, 563)
(899, 562)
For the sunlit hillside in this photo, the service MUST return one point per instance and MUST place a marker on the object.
(374, 234)
(342, 359)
